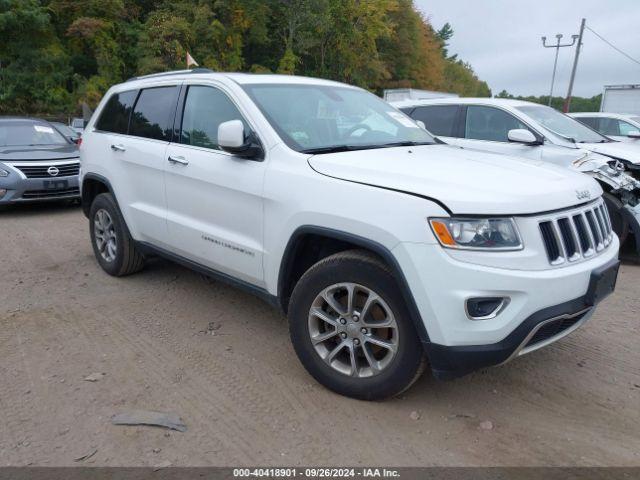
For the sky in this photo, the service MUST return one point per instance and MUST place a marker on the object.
(502, 41)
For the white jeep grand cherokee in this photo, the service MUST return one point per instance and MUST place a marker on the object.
(385, 249)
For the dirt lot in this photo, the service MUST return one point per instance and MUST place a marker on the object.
(243, 394)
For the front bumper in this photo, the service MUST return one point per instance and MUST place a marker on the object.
(557, 300)
(20, 189)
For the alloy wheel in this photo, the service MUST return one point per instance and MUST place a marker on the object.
(105, 235)
(353, 330)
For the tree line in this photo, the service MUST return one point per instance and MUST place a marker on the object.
(58, 54)
(578, 104)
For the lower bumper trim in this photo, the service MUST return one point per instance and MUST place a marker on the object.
(448, 362)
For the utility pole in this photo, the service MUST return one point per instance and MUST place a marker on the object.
(557, 46)
(567, 102)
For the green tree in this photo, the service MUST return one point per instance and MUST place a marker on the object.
(34, 64)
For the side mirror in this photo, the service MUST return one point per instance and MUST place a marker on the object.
(232, 139)
(633, 134)
(421, 124)
(520, 135)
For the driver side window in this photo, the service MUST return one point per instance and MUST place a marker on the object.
(205, 108)
(489, 123)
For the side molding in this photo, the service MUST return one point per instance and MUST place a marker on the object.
(148, 249)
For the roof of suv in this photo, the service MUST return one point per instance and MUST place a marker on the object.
(506, 102)
(240, 78)
(623, 116)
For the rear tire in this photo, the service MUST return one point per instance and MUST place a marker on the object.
(619, 223)
(366, 348)
(113, 246)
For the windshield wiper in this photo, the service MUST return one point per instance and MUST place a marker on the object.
(351, 148)
(332, 149)
(404, 144)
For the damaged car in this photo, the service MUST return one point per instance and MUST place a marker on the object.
(540, 133)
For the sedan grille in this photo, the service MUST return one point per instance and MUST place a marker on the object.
(36, 194)
(571, 237)
(49, 171)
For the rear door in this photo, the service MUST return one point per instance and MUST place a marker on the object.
(140, 158)
(214, 199)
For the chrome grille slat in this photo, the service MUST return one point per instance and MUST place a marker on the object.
(576, 234)
(40, 171)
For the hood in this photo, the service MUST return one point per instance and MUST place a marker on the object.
(38, 152)
(619, 150)
(467, 182)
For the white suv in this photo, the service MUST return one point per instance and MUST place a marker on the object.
(383, 248)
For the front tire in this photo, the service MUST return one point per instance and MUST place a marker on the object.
(351, 328)
(113, 246)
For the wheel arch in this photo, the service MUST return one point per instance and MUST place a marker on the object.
(309, 244)
(92, 186)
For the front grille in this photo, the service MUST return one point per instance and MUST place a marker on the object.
(41, 171)
(571, 237)
(34, 194)
(553, 328)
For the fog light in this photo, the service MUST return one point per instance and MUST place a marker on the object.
(484, 308)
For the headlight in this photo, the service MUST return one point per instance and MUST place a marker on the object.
(477, 233)
(3, 173)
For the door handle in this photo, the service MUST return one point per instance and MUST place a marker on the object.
(118, 148)
(176, 159)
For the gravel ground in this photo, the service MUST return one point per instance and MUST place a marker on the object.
(166, 339)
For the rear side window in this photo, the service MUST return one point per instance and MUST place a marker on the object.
(115, 114)
(492, 124)
(204, 110)
(589, 122)
(439, 119)
(153, 114)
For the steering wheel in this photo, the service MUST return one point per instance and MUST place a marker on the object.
(355, 128)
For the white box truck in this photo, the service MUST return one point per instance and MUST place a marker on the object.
(621, 99)
(398, 94)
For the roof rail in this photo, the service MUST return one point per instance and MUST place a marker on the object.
(174, 72)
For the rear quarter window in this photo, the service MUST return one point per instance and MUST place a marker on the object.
(115, 114)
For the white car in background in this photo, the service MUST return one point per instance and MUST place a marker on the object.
(617, 126)
(540, 133)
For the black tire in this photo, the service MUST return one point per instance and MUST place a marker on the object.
(127, 258)
(362, 268)
(619, 223)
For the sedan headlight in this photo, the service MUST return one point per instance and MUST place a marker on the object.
(477, 233)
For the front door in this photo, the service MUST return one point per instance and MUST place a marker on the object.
(486, 128)
(214, 199)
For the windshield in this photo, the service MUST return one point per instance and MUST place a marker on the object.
(29, 134)
(319, 118)
(562, 124)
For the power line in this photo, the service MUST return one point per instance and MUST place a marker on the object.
(612, 45)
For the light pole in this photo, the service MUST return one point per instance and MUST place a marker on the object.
(557, 46)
